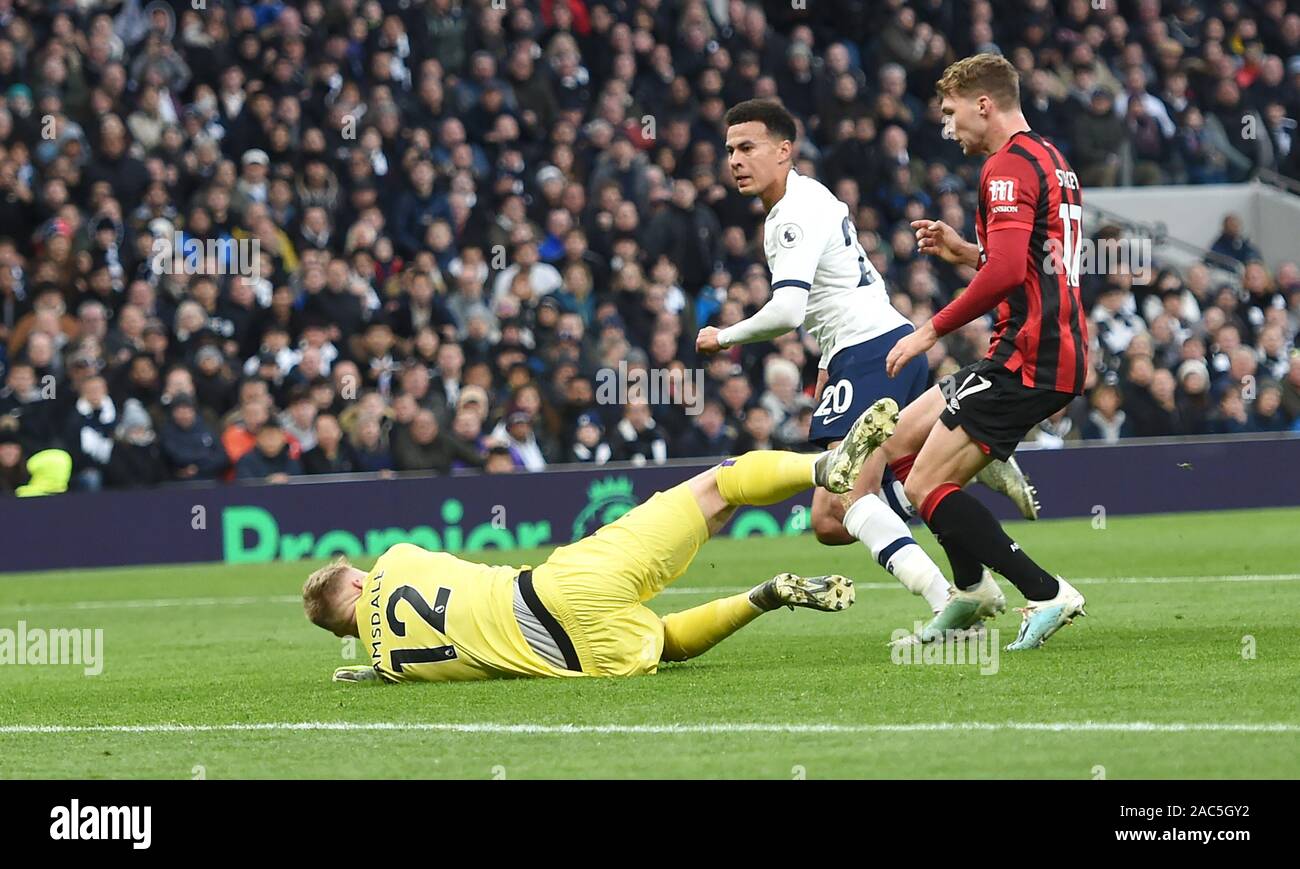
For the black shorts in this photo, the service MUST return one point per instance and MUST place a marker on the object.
(994, 407)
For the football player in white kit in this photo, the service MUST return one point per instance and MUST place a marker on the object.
(822, 279)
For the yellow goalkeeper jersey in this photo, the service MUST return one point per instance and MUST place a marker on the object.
(431, 617)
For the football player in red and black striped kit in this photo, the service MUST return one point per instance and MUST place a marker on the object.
(1027, 256)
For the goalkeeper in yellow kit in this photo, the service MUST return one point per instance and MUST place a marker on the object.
(431, 617)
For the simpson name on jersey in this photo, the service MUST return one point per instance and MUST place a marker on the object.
(811, 243)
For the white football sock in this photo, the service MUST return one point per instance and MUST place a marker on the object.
(911, 562)
(875, 523)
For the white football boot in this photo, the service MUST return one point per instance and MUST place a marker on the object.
(1042, 618)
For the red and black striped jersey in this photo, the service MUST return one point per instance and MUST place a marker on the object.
(1041, 328)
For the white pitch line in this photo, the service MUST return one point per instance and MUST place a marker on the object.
(666, 729)
(184, 601)
(1160, 580)
(156, 603)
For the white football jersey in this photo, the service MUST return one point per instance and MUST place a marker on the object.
(811, 243)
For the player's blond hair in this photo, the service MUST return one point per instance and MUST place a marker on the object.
(319, 591)
(981, 74)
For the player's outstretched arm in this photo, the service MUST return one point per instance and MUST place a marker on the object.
(1004, 270)
(783, 312)
(936, 238)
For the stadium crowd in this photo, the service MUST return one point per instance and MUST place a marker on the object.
(422, 234)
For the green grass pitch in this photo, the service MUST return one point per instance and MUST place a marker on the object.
(1192, 622)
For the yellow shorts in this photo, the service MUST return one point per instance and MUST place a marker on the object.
(595, 587)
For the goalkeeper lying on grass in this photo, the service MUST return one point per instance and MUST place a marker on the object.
(429, 616)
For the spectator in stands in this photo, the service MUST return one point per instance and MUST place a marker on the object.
(478, 194)
(1149, 140)
(1232, 243)
(517, 434)
(213, 385)
(499, 460)
(423, 446)
(188, 446)
(1241, 373)
(690, 232)
(1166, 417)
(269, 459)
(331, 454)
(735, 394)
(137, 459)
(1291, 389)
(240, 434)
(27, 408)
(759, 431)
(1098, 136)
(1203, 148)
(89, 432)
(13, 463)
(1116, 322)
(539, 278)
(1194, 403)
(637, 437)
(1140, 405)
(298, 420)
(1107, 421)
(589, 444)
(709, 434)
(1231, 417)
(1267, 415)
(782, 398)
(370, 444)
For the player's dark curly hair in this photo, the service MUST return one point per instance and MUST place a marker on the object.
(767, 112)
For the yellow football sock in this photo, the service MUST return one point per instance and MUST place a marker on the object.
(765, 477)
(691, 633)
